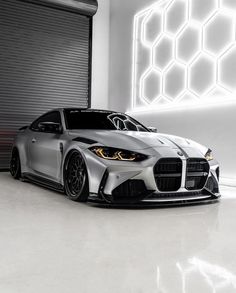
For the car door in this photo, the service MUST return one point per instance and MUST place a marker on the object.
(44, 148)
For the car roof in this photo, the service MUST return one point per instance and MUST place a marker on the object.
(84, 110)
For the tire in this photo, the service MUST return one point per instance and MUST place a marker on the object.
(15, 166)
(76, 177)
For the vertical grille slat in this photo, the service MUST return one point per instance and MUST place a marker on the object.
(168, 174)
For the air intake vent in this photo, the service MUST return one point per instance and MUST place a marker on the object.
(168, 174)
(197, 174)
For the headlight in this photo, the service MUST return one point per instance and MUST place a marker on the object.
(110, 153)
(209, 155)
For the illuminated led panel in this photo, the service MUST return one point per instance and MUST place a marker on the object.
(184, 53)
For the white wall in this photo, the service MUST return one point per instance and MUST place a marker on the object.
(100, 55)
(121, 29)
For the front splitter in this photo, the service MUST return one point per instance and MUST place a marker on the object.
(93, 200)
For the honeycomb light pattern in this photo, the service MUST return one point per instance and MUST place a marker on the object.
(192, 53)
(151, 85)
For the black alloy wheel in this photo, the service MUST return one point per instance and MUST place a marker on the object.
(76, 178)
(15, 167)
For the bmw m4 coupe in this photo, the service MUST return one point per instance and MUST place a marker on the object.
(109, 157)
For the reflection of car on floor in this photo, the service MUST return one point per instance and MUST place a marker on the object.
(104, 156)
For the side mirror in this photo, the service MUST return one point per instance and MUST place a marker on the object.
(51, 127)
(152, 129)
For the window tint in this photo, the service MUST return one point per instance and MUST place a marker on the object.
(85, 119)
(50, 117)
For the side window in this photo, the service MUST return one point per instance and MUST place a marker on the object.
(50, 117)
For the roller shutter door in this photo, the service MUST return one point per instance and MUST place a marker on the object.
(44, 64)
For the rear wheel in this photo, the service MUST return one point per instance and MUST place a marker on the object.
(76, 177)
(15, 167)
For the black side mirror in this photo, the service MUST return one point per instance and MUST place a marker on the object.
(51, 127)
(152, 129)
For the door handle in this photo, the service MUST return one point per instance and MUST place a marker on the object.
(33, 140)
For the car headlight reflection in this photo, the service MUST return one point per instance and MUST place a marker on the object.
(110, 153)
(209, 155)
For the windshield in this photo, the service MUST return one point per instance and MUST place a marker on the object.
(85, 119)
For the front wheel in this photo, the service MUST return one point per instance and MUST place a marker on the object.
(76, 177)
(15, 167)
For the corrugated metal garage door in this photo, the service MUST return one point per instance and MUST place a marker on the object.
(44, 64)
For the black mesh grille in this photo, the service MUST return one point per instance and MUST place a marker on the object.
(168, 174)
(130, 189)
(196, 173)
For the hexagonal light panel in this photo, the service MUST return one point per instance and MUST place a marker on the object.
(229, 4)
(189, 48)
(187, 98)
(217, 92)
(176, 15)
(161, 101)
(163, 52)
(227, 69)
(188, 43)
(151, 85)
(201, 10)
(152, 27)
(219, 33)
(174, 81)
(202, 74)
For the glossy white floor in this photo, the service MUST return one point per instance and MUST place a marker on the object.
(50, 244)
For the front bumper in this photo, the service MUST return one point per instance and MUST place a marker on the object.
(136, 184)
(134, 192)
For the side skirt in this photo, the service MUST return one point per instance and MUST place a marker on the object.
(43, 182)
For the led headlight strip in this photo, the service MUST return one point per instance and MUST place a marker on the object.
(110, 153)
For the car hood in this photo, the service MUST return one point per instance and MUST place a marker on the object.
(137, 141)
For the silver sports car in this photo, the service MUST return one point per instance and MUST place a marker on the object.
(109, 157)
